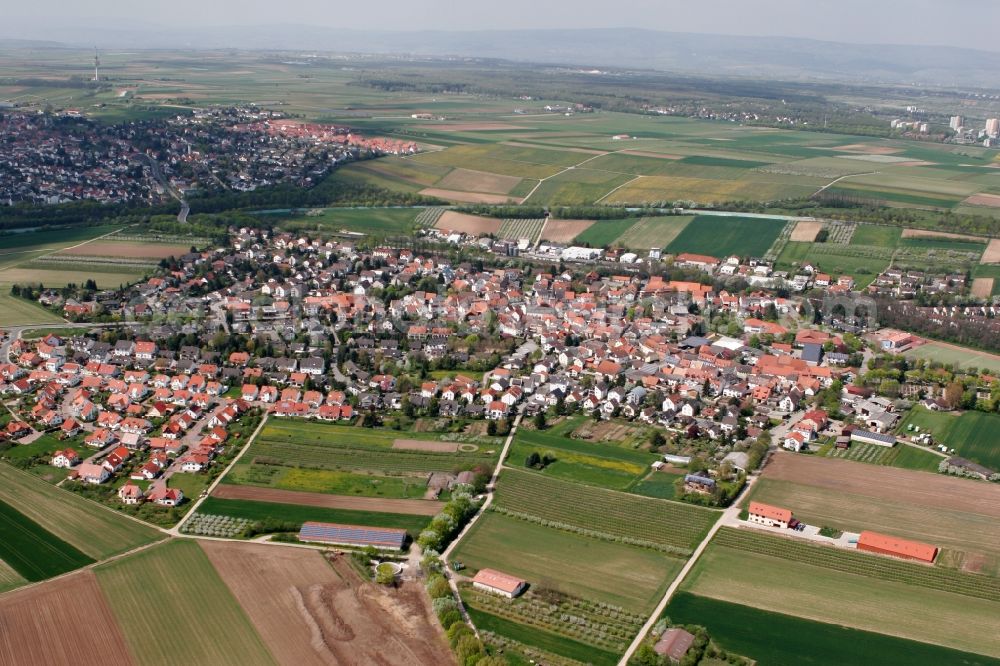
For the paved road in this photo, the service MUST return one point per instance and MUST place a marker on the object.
(154, 166)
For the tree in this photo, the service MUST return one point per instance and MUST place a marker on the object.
(539, 421)
(384, 575)
(953, 394)
(533, 460)
(491, 428)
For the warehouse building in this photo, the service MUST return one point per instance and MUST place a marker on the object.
(883, 544)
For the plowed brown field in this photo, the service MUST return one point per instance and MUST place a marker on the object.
(64, 621)
(309, 611)
(410, 507)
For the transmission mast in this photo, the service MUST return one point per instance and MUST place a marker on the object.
(97, 64)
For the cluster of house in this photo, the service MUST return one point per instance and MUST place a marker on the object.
(129, 402)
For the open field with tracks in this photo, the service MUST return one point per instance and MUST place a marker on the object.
(93, 529)
(846, 597)
(67, 621)
(127, 249)
(179, 582)
(627, 576)
(963, 357)
(473, 225)
(722, 236)
(564, 231)
(971, 434)
(309, 611)
(33, 552)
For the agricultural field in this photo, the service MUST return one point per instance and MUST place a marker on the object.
(334, 482)
(774, 638)
(89, 527)
(330, 501)
(31, 551)
(309, 611)
(294, 515)
(515, 230)
(564, 231)
(603, 465)
(651, 232)
(61, 622)
(658, 484)
(900, 455)
(962, 357)
(721, 236)
(846, 595)
(19, 312)
(674, 526)
(179, 581)
(952, 513)
(594, 569)
(473, 225)
(971, 434)
(603, 233)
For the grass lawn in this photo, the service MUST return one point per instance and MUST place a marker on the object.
(166, 600)
(870, 234)
(971, 434)
(293, 513)
(784, 640)
(329, 481)
(900, 455)
(962, 357)
(44, 445)
(657, 484)
(371, 221)
(781, 585)
(719, 236)
(97, 531)
(627, 576)
(18, 312)
(33, 552)
(544, 640)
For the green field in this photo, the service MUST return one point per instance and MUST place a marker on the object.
(869, 234)
(846, 598)
(334, 482)
(90, 527)
(18, 312)
(44, 445)
(971, 434)
(174, 608)
(603, 465)
(658, 484)
(720, 236)
(627, 576)
(614, 514)
(603, 233)
(369, 221)
(545, 640)
(900, 455)
(33, 552)
(961, 357)
(785, 640)
(295, 515)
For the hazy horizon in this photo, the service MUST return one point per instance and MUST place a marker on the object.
(924, 23)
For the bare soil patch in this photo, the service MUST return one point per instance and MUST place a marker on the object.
(64, 621)
(991, 200)
(867, 149)
(309, 611)
(128, 250)
(564, 231)
(478, 181)
(806, 231)
(992, 254)
(889, 483)
(468, 197)
(561, 149)
(605, 431)
(982, 287)
(413, 507)
(924, 233)
(424, 445)
(468, 224)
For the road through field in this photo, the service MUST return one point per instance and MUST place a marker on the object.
(729, 516)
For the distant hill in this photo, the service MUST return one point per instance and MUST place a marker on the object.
(772, 57)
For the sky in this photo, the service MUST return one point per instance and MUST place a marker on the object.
(962, 23)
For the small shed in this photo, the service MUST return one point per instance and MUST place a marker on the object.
(674, 644)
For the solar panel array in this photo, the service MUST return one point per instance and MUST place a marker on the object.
(354, 535)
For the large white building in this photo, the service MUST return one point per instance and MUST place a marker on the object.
(497, 582)
(769, 516)
(956, 123)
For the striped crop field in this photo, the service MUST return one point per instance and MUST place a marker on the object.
(515, 229)
(615, 515)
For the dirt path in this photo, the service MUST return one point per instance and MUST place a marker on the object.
(412, 507)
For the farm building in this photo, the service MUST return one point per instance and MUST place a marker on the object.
(873, 542)
(497, 582)
(869, 437)
(353, 535)
(674, 644)
(694, 483)
(771, 516)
